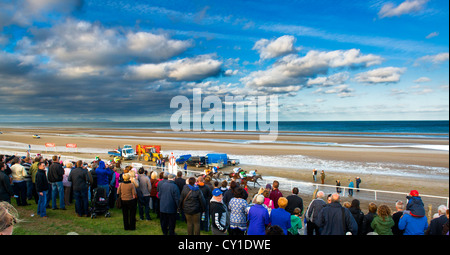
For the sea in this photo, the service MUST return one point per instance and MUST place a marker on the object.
(417, 128)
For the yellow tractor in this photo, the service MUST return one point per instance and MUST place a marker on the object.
(149, 152)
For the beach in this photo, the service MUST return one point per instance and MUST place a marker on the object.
(387, 163)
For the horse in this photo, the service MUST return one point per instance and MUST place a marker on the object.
(215, 176)
(253, 179)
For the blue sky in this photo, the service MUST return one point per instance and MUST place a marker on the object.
(125, 60)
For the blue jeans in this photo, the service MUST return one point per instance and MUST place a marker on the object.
(58, 188)
(41, 211)
(81, 202)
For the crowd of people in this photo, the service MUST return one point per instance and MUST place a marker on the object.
(222, 208)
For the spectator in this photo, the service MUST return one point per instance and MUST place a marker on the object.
(396, 217)
(445, 228)
(414, 221)
(294, 201)
(351, 186)
(258, 218)
(368, 218)
(103, 174)
(336, 220)
(6, 191)
(193, 204)
(322, 177)
(26, 163)
(296, 222)
(358, 182)
(169, 196)
(66, 183)
(79, 178)
(415, 206)
(274, 231)
(42, 188)
(19, 183)
(229, 194)
(280, 216)
(382, 223)
(312, 214)
(358, 215)
(219, 213)
(275, 194)
(55, 178)
(413, 225)
(238, 213)
(127, 192)
(268, 203)
(33, 171)
(154, 193)
(144, 191)
(436, 225)
(180, 181)
(206, 191)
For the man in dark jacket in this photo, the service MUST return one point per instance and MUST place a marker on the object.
(436, 225)
(336, 220)
(41, 189)
(6, 191)
(193, 203)
(80, 179)
(219, 214)
(55, 177)
(294, 201)
(207, 194)
(169, 196)
(312, 214)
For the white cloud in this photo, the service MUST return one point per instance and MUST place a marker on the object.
(406, 7)
(422, 79)
(295, 70)
(24, 12)
(81, 43)
(275, 48)
(381, 75)
(434, 59)
(340, 90)
(431, 35)
(187, 69)
(335, 79)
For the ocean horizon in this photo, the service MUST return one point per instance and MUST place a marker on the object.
(438, 127)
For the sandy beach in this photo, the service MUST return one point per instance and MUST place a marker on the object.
(92, 142)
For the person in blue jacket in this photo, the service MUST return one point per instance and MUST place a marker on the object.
(414, 221)
(103, 174)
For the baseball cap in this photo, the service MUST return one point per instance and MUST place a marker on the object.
(217, 192)
(414, 193)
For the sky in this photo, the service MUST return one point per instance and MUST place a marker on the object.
(106, 60)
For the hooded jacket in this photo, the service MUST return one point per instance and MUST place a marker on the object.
(102, 174)
(192, 200)
(415, 206)
(219, 216)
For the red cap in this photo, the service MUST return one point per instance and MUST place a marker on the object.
(414, 193)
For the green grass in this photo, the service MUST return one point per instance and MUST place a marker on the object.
(61, 222)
